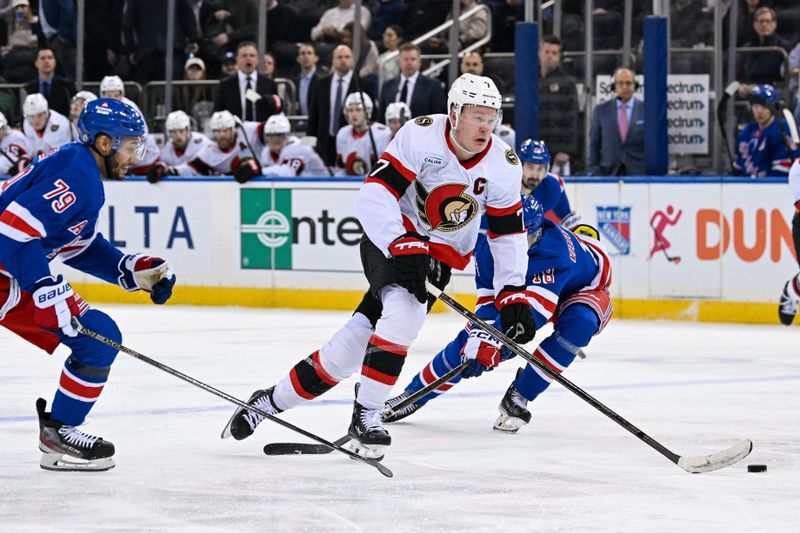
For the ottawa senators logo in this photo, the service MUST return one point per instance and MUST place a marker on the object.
(511, 157)
(355, 166)
(446, 207)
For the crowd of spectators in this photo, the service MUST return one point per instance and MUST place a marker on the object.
(311, 43)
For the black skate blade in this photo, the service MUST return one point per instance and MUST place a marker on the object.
(302, 448)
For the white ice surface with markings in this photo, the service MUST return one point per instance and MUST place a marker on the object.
(696, 388)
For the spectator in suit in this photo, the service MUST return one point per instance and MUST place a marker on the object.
(57, 90)
(616, 138)
(558, 107)
(58, 21)
(326, 102)
(306, 79)
(233, 91)
(423, 95)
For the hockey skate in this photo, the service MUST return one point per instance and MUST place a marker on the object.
(243, 422)
(66, 448)
(787, 308)
(513, 410)
(402, 413)
(366, 429)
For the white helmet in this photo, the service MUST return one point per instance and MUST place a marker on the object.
(221, 120)
(111, 83)
(398, 111)
(355, 100)
(34, 104)
(3, 121)
(277, 125)
(86, 96)
(177, 120)
(470, 89)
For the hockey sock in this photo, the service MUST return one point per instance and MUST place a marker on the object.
(555, 352)
(339, 358)
(382, 365)
(78, 389)
(442, 363)
(794, 288)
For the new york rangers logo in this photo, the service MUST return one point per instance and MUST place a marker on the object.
(615, 224)
(447, 207)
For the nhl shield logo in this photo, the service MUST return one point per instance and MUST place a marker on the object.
(614, 223)
(447, 207)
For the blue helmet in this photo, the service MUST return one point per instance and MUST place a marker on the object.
(532, 213)
(535, 152)
(765, 95)
(110, 117)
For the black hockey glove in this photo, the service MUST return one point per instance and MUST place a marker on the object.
(247, 169)
(156, 172)
(515, 314)
(439, 276)
(410, 263)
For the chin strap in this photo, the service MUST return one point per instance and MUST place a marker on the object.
(106, 160)
(453, 138)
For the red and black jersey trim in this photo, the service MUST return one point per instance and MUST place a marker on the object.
(384, 360)
(309, 379)
(505, 221)
(394, 176)
(200, 166)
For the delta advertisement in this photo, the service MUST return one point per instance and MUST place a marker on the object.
(669, 239)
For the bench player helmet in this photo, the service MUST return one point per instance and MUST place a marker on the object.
(398, 111)
(277, 125)
(178, 120)
(34, 104)
(221, 120)
(764, 95)
(111, 84)
(535, 152)
(355, 100)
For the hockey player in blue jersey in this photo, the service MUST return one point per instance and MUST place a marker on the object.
(568, 279)
(48, 210)
(761, 147)
(546, 187)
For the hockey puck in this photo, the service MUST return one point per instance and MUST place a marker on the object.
(756, 468)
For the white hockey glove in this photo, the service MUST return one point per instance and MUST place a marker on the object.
(150, 274)
(571, 220)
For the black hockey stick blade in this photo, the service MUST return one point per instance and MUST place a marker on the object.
(695, 464)
(302, 448)
(225, 396)
(425, 390)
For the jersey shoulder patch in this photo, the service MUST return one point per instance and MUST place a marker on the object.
(423, 121)
(511, 157)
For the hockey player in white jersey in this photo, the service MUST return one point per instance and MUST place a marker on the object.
(355, 153)
(113, 87)
(15, 150)
(183, 144)
(420, 208)
(397, 114)
(230, 153)
(790, 296)
(77, 104)
(45, 128)
(285, 155)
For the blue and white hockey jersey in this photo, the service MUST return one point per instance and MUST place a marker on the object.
(560, 264)
(761, 153)
(49, 210)
(550, 193)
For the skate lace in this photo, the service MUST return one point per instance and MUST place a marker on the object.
(519, 400)
(254, 419)
(787, 305)
(77, 437)
(371, 418)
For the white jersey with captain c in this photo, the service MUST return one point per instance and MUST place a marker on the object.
(420, 185)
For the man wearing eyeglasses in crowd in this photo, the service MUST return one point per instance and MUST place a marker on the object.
(764, 67)
(616, 139)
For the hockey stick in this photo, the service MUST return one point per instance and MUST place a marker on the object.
(672, 259)
(357, 79)
(208, 388)
(246, 140)
(695, 464)
(788, 140)
(730, 90)
(789, 118)
(302, 448)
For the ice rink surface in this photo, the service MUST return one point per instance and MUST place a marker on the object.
(696, 388)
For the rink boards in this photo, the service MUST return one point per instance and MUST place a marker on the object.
(693, 248)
